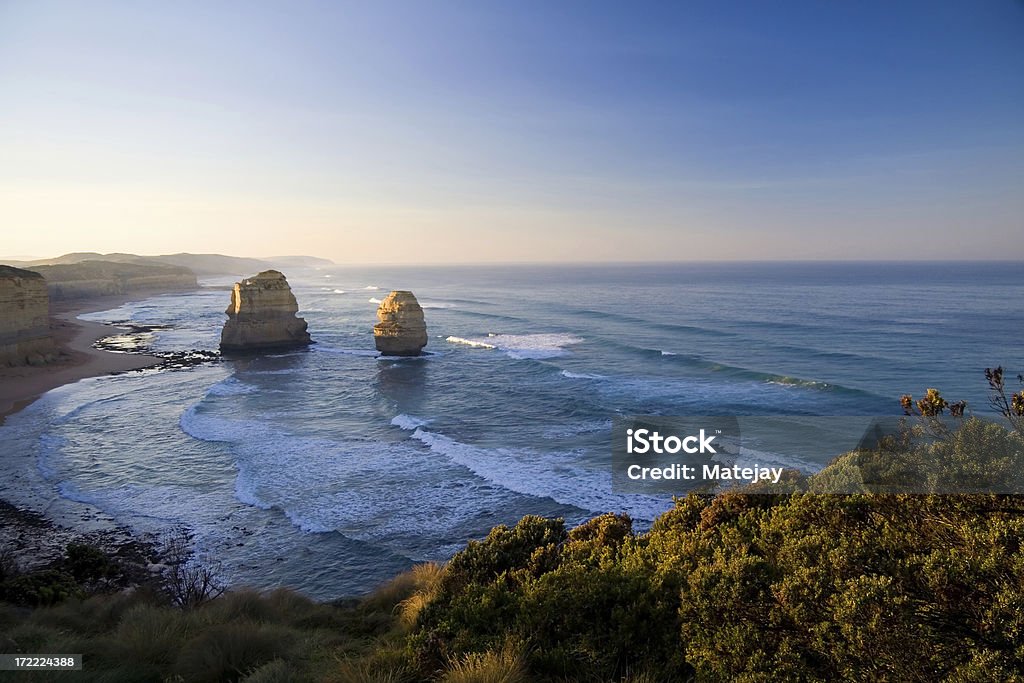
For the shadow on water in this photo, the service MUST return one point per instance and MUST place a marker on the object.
(403, 383)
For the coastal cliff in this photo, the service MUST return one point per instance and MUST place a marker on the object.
(402, 330)
(88, 279)
(24, 318)
(262, 316)
(200, 264)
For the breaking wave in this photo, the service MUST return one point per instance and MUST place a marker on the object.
(523, 346)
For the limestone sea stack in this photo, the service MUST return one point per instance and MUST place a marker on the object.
(401, 330)
(262, 316)
(24, 318)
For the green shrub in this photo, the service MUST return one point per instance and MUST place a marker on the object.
(581, 609)
(781, 585)
(88, 563)
(43, 587)
(527, 549)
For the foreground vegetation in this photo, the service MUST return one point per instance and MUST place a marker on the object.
(799, 583)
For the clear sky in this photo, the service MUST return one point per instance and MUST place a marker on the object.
(515, 131)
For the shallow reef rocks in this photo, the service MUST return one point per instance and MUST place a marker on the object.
(401, 330)
(262, 316)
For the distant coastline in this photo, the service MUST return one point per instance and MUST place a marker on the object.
(88, 282)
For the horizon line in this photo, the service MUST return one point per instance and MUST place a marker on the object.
(392, 264)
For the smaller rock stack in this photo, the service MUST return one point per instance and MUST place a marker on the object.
(401, 330)
(262, 316)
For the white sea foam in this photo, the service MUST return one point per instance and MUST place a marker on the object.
(581, 375)
(408, 422)
(523, 346)
(50, 448)
(231, 387)
(206, 428)
(152, 507)
(339, 291)
(797, 383)
(374, 300)
(470, 342)
(436, 305)
(669, 353)
(245, 490)
(561, 476)
(323, 485)
(371, 287)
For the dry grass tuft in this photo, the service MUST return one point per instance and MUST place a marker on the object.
(383, 666)
(504, 666)
(420, 579)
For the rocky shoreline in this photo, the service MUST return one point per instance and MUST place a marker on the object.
(134, 340)
(31, 542)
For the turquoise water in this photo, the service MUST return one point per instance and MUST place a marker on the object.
(331, 469)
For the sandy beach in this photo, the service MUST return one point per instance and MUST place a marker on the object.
(20, 386)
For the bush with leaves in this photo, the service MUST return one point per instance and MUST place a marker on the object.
(800, 583)
(43, 587)
(89, 564)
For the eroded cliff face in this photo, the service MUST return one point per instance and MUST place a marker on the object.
(24, 318)
(402, 330)
(262, 316)
(89, 279)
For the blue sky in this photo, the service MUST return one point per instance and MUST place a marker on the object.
(526, 131)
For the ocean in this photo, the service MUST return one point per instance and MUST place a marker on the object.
(329, 470)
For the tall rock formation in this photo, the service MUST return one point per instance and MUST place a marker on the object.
(401, 330)
(262, 316)
(24, 318)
